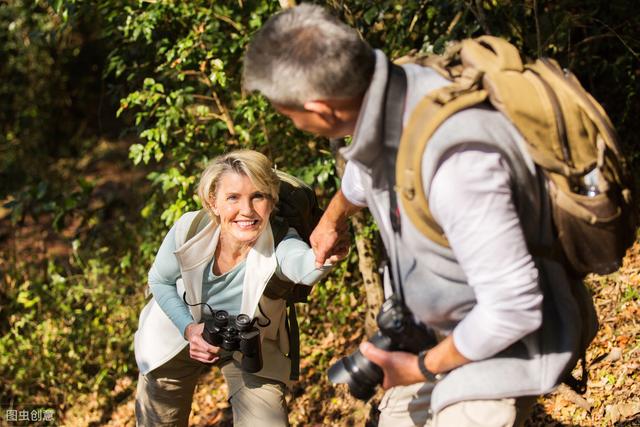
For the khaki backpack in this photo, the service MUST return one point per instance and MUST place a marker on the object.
(298, 208)
(568, 135)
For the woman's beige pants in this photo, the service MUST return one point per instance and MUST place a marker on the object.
(163, 396)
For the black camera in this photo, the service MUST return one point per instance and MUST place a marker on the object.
(398, 332)
(235, 333)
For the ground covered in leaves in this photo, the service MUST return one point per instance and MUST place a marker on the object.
(612, 397)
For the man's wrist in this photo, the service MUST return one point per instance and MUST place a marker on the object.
(426, 373)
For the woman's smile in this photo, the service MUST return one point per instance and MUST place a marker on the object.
(246, 223)
(243, 210)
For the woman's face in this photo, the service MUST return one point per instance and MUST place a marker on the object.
(243, 209)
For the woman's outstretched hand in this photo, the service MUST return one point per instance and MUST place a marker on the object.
(199, 349)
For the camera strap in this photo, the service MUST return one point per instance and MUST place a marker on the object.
(395, 94)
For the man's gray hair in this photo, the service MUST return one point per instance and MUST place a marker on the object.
(305, 54)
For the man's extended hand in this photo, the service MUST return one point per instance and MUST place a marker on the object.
(330, 239)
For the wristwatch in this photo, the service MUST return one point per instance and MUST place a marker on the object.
(429, 376)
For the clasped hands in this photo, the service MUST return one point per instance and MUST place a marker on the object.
(330, 241)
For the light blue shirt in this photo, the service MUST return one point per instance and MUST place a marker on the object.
(296, 262)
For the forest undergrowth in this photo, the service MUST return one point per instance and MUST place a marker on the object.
(612, 397)
(111, 110)
(329, 331)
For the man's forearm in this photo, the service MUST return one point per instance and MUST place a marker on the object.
(444, 357)
(339, 210)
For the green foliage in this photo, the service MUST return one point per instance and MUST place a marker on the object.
(171, 72)
(185, 59)
(43, 199)
(630, 294)
(46, 84)
(68, 329)
(597, 40)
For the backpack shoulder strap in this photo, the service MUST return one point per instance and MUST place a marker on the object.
(278, 288)
(480, 57)
(279, 228)
(294, 341)
(425, 119)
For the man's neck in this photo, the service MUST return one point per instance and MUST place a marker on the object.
(347, 111)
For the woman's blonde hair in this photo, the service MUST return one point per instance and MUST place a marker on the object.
(250, 163)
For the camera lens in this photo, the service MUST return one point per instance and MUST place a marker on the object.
(398, 331)
(359, 373)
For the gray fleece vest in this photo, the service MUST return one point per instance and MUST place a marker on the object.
(436, 289)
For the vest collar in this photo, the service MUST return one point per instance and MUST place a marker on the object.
(261, 264)
(199, 249)
(194, 255)
(366, 148)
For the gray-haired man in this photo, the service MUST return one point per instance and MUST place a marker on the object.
(512, 324)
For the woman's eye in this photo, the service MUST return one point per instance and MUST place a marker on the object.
(232, 197)
(258, 196)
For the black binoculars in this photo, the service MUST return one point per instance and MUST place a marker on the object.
(235, 333)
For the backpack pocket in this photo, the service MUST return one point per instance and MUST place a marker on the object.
(594, 231)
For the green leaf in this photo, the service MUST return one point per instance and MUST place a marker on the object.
(27, 300)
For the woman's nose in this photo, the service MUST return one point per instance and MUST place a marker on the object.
(246, 207)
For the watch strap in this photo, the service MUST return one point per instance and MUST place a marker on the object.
(428, 375)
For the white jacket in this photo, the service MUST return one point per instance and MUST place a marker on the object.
(158, 340)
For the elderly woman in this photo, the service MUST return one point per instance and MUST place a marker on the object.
(227, 265)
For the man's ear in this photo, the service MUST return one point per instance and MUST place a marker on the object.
(323, 109)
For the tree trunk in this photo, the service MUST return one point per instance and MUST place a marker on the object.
(368, 266)
(367, 262)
